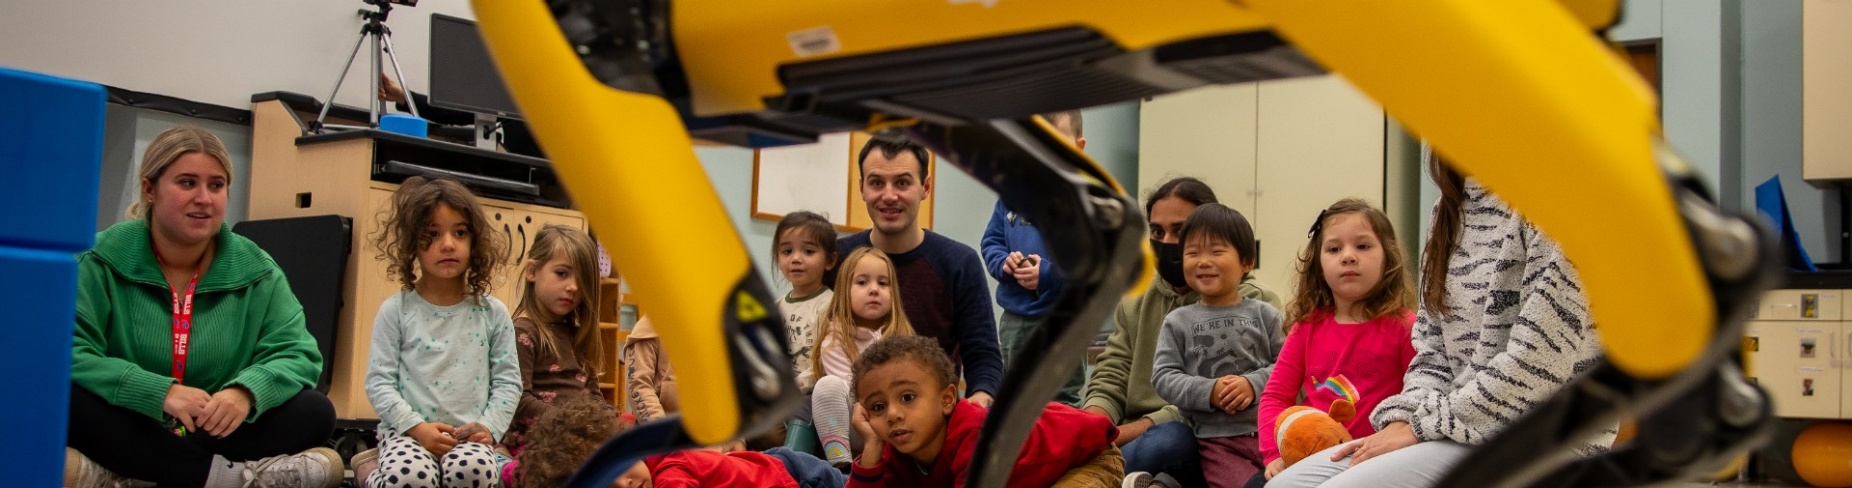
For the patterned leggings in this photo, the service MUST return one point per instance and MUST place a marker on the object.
(404, 463)
(831, 405)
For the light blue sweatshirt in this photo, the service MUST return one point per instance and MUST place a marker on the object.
(452, 364)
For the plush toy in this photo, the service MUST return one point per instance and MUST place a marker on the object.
(1301, 431)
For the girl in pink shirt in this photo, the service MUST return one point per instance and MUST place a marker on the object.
(1349, 327)
(865, 308)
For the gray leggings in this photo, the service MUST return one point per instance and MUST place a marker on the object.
(1417, 466)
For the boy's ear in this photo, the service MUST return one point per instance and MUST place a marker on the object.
(949, 398)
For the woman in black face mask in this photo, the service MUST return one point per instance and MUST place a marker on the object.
(1150, 432)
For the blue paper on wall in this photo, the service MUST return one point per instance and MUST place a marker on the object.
(1773, 205)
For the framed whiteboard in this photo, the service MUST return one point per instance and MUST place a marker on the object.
(821, 177)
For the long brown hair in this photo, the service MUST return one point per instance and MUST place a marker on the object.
(841, 323)
(402, 232)
(1393, 294)
(1444, 236)
(562, 242)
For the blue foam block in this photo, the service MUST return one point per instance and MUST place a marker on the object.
(1772, 204)
(41, 297)
(51, 159)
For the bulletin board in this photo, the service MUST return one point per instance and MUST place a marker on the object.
(820, 177)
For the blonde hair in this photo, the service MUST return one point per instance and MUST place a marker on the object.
(168, 147)
(841, 323)
(562, 242)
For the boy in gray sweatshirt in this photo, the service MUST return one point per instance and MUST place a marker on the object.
(1214, 356)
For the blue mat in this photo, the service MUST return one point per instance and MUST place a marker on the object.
(51, 157)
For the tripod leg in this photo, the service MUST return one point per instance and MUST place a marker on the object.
(374, 104)
(386, 37)
(329, 102)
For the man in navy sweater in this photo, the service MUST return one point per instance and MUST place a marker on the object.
(941, 281)
(1028, 285)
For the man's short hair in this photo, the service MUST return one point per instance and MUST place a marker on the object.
(891, 147)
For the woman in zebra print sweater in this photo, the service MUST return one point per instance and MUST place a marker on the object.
(1503, 324)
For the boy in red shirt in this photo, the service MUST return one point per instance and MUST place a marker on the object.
(702, 468)
(568, 434)
(918, 433)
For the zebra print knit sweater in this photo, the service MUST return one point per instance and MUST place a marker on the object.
(1519, 329)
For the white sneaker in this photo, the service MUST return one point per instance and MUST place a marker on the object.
(364, 464)
(81, 472)
(1137, 479)
(315, 468)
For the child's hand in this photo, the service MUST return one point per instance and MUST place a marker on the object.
(871, 443)
(474, 432)
(1274, 468)
(862, 426)
(436, 437)
(1235, 393)
(1011, 261)
(1221, 393)
(1029, 272)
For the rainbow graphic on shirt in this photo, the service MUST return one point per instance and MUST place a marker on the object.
(1340, 386)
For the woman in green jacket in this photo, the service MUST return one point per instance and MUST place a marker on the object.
(1154, 436)
(191, 365)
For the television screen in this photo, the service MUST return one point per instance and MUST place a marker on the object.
(463, 77)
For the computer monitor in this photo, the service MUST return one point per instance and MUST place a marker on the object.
(463, 77)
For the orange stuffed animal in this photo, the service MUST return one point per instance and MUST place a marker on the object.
(1301, 431)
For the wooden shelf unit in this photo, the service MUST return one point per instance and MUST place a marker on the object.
(611, 301)
(293, 176)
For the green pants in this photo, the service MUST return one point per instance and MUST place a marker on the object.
(1014, 331)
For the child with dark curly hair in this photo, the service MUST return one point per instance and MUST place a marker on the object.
(442, 371)
(563, 438)
(918, 432)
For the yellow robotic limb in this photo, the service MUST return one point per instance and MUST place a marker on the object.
(1517, 92)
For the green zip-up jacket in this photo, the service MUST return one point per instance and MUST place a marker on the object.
(247, 325)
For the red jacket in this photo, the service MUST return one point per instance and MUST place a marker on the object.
(702, 468)
(1063, 439)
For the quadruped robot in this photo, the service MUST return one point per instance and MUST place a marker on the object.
(1524, 95)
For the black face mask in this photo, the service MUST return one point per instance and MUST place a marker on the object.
(1169, 262)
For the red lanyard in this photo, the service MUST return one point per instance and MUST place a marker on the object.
(183, 321)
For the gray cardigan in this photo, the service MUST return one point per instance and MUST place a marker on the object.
(1519, 330)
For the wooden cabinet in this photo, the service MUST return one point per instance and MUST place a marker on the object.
(517, 224)
(1277, 151)
(1826, 90)
(1797, 348)
(335, 177)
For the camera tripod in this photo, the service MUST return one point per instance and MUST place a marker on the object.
(375, 29)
